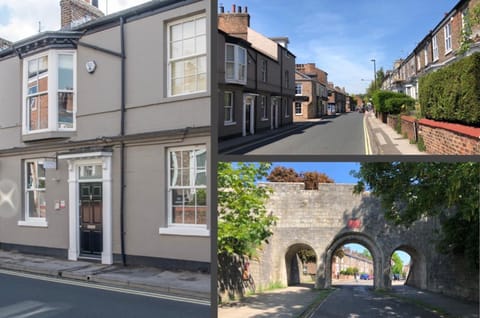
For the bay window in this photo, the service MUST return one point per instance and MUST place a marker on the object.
(49, 92)
(235, 64)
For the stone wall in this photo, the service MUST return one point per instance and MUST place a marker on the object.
(319, 219)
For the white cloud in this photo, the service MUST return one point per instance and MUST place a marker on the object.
(23, 16)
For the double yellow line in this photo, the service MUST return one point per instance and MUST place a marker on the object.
(368, 147)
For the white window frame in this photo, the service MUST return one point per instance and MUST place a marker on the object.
(301, 109)
(298, 89)
(239, 65)
(197, 55)
(435, 48)
(179, 228)
(447, 29)
(230, 107)
(52, 92)
(263, 107)
(27, 219)
(425, 55)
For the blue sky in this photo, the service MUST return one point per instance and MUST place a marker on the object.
(342, 36)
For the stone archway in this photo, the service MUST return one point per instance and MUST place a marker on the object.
(417, 276)
(324, 272)
(293, 263)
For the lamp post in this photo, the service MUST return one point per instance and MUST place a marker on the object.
(374, 74)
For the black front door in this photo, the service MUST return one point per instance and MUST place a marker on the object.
(91, 218)
(248, 109)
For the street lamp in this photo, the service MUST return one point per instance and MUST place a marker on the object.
(374, 73)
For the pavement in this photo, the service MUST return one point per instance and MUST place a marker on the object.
(281, 303)
(180, 283)
(382, 139)
(230, 145)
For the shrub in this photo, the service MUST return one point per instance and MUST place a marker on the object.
(392, 102)
(452, 93)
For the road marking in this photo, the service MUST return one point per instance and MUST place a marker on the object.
(368, 148)
(108, 288)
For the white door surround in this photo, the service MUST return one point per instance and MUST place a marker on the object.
(249, 101)
(75, 161)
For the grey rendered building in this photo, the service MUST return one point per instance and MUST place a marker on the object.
(105, 138)
(256, 78)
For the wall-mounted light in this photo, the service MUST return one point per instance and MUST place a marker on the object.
(91, 66)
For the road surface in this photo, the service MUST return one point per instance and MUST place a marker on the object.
(23, 297)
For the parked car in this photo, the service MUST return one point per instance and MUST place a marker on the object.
(364, 276)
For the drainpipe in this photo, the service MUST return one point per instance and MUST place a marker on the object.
(122, 144)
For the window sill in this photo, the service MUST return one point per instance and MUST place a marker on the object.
(233, 81)
(47, 135)
(229, 123)
(33, 223)
(184, 231)
(448, 52)
(264, 119)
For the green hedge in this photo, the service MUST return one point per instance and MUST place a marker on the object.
(452, 93)
(392, 102)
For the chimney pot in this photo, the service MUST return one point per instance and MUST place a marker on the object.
(246, 9)
(233, 8)
(239, 9)
(222, 9)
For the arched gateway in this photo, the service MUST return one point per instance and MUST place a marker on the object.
(326, 219)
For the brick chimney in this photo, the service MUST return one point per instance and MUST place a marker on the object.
(75, 12)
(234, 23)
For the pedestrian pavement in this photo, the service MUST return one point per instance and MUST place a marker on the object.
(180, 283)
(294, 301)
(384, 140)
(281, 303)
(231, 145)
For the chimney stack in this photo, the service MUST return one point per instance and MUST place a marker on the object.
(76, 12)
(235, 23)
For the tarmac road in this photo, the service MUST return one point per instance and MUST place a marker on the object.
(360, 301)
(23, 297)
(340, 135)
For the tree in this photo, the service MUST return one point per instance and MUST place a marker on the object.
(376, 85)
(410, 191)
(282, 174)
(243, 222)
(307, 255)
(311, 179)
(397, 266)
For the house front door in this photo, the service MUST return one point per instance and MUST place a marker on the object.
(91, 223)
(249, 116)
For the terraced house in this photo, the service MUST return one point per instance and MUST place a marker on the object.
(454, 37)
(105, 136)
(256, 77)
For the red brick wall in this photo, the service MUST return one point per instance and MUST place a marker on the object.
(452, 139)
(408, 127)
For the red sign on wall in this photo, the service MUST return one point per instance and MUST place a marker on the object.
(354, 224)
